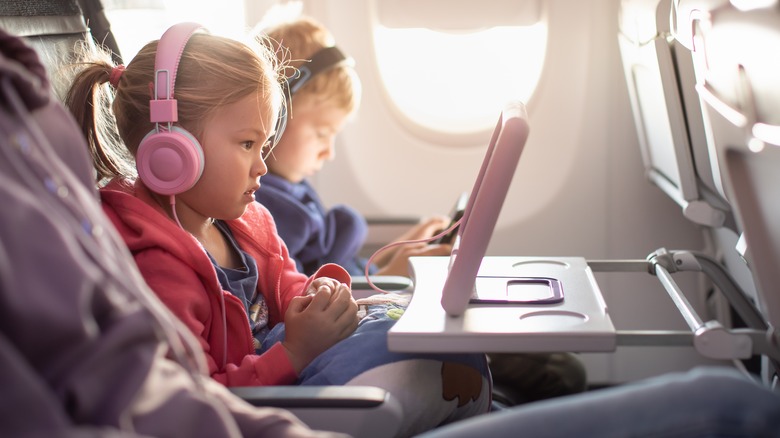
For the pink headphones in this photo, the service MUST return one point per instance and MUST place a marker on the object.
(169, 159)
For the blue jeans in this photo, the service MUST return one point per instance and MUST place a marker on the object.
(704, 402)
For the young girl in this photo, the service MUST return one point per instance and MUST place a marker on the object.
(212, 254)
(323, 98)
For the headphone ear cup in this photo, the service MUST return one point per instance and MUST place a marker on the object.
(169, 162)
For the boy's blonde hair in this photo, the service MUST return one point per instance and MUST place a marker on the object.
(297, 41)
(213, 72)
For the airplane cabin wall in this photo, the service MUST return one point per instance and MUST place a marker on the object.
(579, 190)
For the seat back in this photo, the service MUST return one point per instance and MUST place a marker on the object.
(735, 57)
(737, 70)
(661, 79)
(666, 112)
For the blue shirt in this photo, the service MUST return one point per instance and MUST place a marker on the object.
(242, 283)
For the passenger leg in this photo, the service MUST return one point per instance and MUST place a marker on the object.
(705, 402)
(525, 377)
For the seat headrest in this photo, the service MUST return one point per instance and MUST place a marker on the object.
(53, 29)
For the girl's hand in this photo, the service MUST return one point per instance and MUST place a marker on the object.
(316, 321)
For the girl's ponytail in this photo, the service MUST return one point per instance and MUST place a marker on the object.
(89, 99)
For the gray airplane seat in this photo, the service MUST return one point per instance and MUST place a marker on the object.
(677, 150)
(54, 29)
(668, 120)
(734, 47)
(661, 79)
(661, 82)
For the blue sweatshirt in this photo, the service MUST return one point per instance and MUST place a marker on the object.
(313, 235)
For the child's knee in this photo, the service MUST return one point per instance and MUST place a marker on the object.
(431, 392)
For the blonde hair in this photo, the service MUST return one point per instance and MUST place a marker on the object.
(295, 42)
(213, 72)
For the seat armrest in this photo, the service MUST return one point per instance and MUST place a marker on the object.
(358, 411)
(312, 396)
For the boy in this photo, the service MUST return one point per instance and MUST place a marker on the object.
(323, 95)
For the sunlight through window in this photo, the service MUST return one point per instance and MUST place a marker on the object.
(136, 22)
(453, 82)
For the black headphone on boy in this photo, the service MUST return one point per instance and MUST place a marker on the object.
(323, 60)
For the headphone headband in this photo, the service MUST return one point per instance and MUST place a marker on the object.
(163, 108)
(169, 159)
(324, 60)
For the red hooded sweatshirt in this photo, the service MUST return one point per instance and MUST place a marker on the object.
(179, 271)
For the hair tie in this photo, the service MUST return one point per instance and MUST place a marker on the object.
(116, 74)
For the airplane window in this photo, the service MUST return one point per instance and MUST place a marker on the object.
(447, 81)
(453, 81)
(136, 22)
